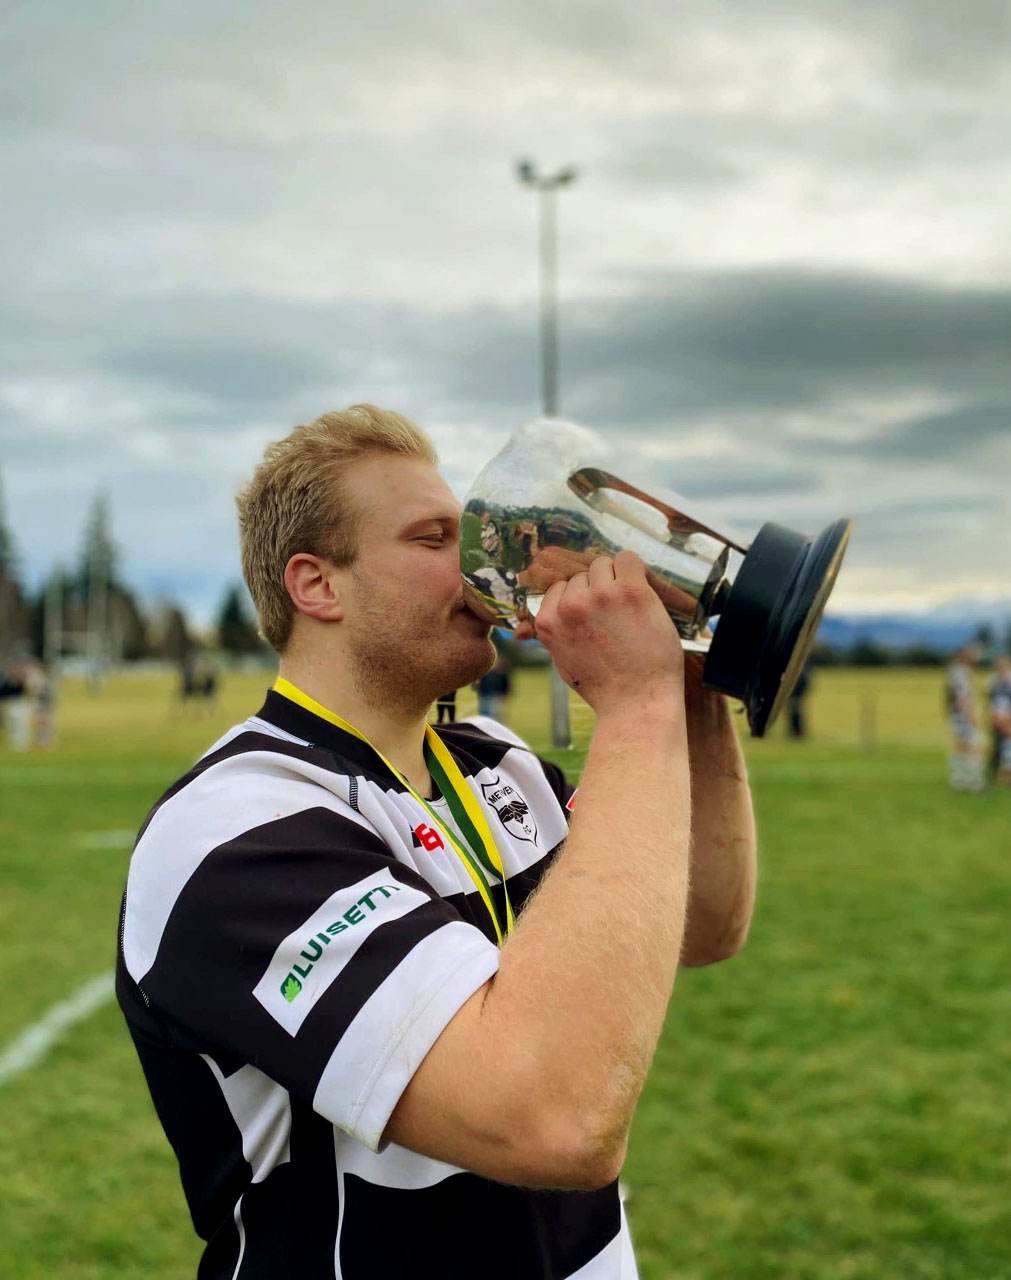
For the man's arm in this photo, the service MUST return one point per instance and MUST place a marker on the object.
(535, 1080)
(723, 858)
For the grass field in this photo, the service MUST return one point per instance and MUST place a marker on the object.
(832, 1103)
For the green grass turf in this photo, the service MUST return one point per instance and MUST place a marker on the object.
(830, 1103)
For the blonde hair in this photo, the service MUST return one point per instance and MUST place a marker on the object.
(297, 502)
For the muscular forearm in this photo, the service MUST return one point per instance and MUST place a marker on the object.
(723, 832)
(536, 1078)
(587, 977)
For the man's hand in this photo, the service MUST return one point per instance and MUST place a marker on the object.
(611, 638)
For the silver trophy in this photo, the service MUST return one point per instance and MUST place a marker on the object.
(554, 498)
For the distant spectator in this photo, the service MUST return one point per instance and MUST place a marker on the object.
(16, 707)
(198, 685)
(8, 690)
(41, 690)
(965, 763)
(493, 690)
(999, 700)
(446, 708)
(206, 685)
(796, 724)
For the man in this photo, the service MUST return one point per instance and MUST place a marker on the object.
(965, 762)
(372, 1056)
(999, 699)
(493, 690)
(16, 717)
(796, 723)
(445, 707)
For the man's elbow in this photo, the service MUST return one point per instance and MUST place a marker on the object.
(715, 932)
(696, 953)
(569, 1154)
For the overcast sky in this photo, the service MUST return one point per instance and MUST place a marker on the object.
(785, 266)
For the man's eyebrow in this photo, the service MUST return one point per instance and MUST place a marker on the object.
(449, 518)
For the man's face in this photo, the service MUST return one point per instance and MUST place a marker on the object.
(411, 636)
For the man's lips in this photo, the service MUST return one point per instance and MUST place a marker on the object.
(464, 610)
(471, 601)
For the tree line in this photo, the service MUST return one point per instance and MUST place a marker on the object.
(90, 603)
(870, 653)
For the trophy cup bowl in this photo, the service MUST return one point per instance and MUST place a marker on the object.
(554, 498)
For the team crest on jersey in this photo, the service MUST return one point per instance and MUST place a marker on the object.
(513, 811)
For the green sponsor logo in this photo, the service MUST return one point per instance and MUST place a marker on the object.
(315, 946)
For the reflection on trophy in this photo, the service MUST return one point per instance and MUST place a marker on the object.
(554, 498)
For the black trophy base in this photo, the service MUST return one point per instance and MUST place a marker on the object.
(770, 618)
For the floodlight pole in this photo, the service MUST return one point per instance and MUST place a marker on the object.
(549, 300)
(546, 186)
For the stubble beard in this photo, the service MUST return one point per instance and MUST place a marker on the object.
(398, 670)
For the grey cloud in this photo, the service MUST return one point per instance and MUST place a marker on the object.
(936, 435)
(942, 507)
(674, 152)
(827, 323)
(264, 373)
(224, 54)
(681, 149)
(942, 43)
(736, 478)
(678, 348)
(781, 340)
(682, 346)
(953, 537)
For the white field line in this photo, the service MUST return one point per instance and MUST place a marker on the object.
(35, 1041)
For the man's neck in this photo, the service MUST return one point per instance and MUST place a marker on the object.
(398, 734)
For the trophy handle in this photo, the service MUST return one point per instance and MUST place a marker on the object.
(589, 484)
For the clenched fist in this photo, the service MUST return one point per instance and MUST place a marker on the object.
(610, 636)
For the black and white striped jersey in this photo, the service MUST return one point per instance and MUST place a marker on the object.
(295, 936)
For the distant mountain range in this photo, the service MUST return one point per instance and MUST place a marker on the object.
(943, 628)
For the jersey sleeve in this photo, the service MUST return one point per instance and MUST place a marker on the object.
(302, 946)
(559, 784)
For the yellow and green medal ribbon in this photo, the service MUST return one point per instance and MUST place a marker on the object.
(477, 850)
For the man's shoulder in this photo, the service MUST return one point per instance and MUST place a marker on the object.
(253, 759)
(252, 746)
(482, 733)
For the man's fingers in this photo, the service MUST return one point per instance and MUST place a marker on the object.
(553, 598)
(553, 594)
(601, 571)
(628, 565)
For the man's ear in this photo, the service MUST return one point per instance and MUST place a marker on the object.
(314, 586)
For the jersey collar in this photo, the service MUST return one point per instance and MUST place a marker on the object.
(299, 721)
